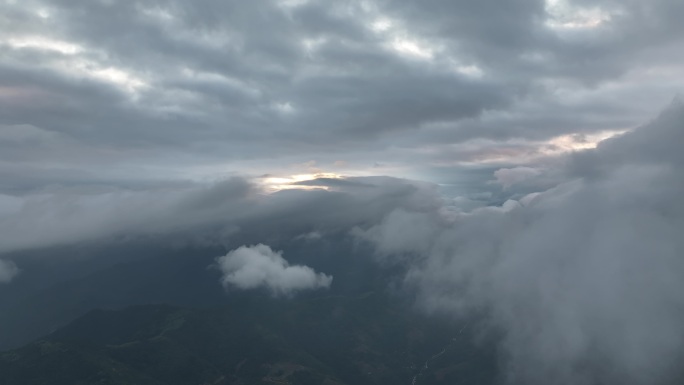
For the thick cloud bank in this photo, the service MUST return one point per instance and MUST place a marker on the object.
(253, 267)
(584, 280)
(205, 212)
(8, 270)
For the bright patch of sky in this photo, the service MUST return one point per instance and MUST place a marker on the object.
(563, 15)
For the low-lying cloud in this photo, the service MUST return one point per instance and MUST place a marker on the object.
(508, 177)
(8, 270)
(211, 211)
(584, 279)
(254, 267)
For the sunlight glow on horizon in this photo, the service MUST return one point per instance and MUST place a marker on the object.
(277, 183)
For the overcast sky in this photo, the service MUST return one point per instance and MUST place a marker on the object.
(137, 93)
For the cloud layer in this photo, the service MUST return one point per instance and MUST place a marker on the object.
(403, 87)
(584, 279)
(201, 212)
(254, 267)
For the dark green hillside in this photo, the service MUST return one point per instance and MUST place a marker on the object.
(35, 304)
(331, 340)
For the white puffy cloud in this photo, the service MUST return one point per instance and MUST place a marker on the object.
(253, 267)
(8, 270)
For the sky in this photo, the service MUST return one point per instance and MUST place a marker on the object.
(142, 93)
(517, 156)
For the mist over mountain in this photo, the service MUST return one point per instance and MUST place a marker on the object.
(583, 279)
(579, 282)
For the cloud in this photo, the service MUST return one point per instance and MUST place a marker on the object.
(212, 212)
(67, 216)
(114, 115)
(254, 267)
(179, 96)
(8, 270)
(507, 177)
(583, 280)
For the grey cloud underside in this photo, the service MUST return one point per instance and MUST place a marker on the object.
(231, 81)
(372, 90)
